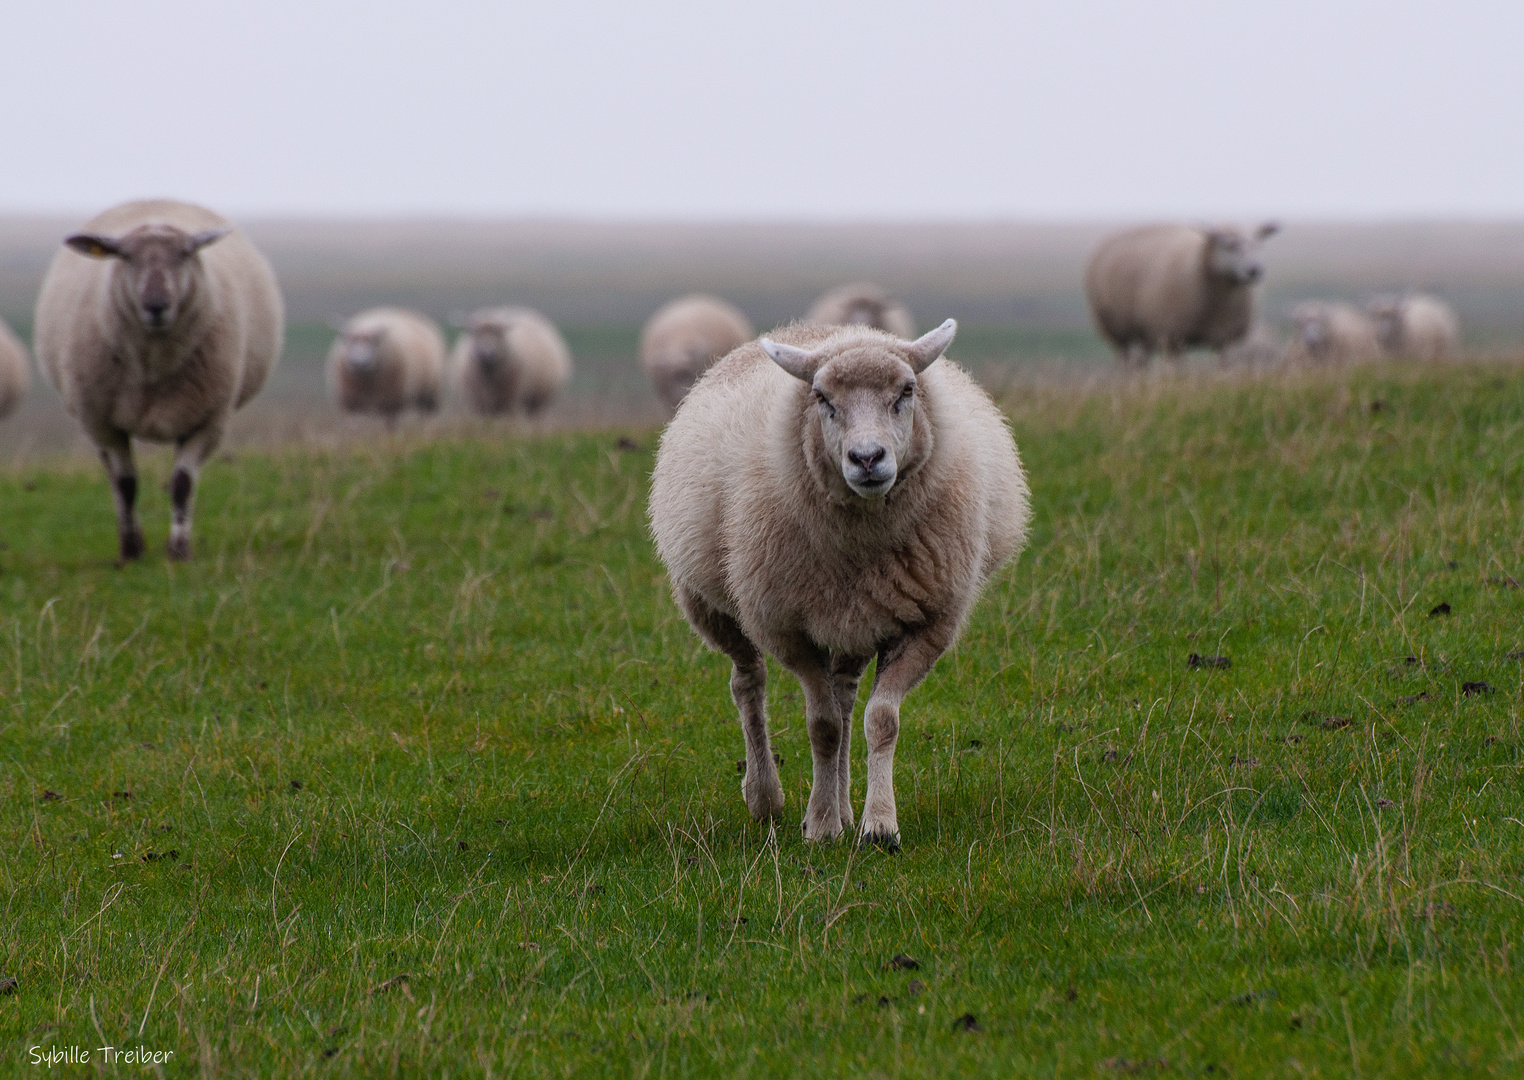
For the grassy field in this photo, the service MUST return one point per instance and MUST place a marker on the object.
(416, 770)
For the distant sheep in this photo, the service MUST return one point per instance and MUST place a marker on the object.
(1169, 288)
(1420, 327)
(386, 360)
(862, 305)
(684, 339)
(510, 359)
(156, 322)
(829, 495)
(15, 371)
(1330, 333)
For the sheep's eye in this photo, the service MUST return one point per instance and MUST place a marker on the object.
(820, 399)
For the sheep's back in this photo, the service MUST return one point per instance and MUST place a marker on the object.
(1146, 284)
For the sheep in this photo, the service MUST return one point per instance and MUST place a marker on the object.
(862, 305)
(1418, 326)
(1168, 288)
(510, 358)
(684, 339)
(386, 360)
(15, 371)
(828, 495)
(156, 321)
(1330, 333)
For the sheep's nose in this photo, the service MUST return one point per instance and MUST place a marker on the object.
(155, 310)
(866, 457)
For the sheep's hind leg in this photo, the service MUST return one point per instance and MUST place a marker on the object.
(900, 667)
(116, 455)
(846, 671)
(748, 686)
(190, 454)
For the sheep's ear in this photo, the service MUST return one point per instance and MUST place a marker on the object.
(95, 246)
(926, 348)
(1267, 230)
(800, 364)
(199, 240)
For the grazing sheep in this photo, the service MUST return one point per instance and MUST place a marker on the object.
(862, 305)
(15, 371)
(1421, 327)
(510, 358)
(1329, 333)
(156, 322)
(1168, 288)
(829, 495)
(683, 339)
(386, 360)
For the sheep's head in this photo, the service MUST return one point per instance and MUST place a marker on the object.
(159, 270)
(361, 350)
(866, 311)
(864, 394)
(1234, 255)
(489, 344)
(1313, 327)
(1387, 315)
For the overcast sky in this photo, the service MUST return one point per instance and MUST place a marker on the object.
(783, 109)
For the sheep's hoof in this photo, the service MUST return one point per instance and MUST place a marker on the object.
(131, 545)
(179, 548)
(883, 839)
(822, 833)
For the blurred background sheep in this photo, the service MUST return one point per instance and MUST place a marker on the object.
(863, 305)
(15, 371)
(156, 321)
(1417, 326)
(1332, 333)
(1169, 288)
(387, 360)
(510, 359)
(685, 337)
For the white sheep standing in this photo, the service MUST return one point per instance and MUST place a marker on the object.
(684, 339)
(385, 360)
(862, 305)
(156, 322)
(1332, 333)
(510, 358)
(15, 371)
(1418, 326)
(827, 496)
(1169, 288)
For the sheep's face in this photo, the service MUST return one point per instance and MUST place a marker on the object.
(865, 403)
(865, 312)
(1234, 256)
(362, 351)
(863, 399)
(158, 273)
(1388, 318)
(489, 346)
(1313, 329)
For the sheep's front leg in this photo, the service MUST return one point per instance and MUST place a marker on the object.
(190, 454)
(846, 671)
(822, 717)
(901, 666)
(116, 455)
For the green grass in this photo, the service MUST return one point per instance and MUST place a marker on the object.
(416, 770)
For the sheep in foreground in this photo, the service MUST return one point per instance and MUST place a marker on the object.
(1169, 288)
(386, 360)
(862, 305)
(1421, 327)
(510, 358)
(156, 322)
(1329, 333)
(684, 339)
(831, 495)
(15, 371)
